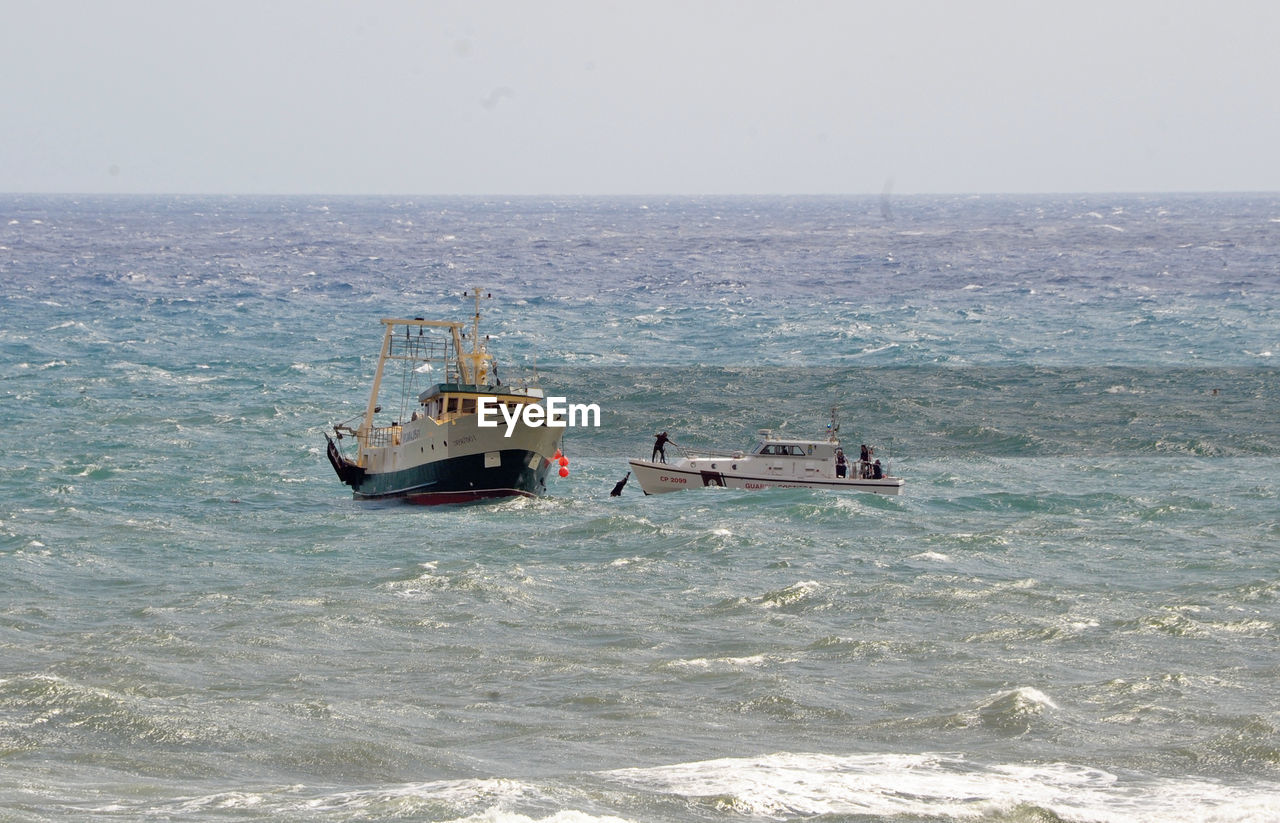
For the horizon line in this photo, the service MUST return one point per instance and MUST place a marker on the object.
(632, 195)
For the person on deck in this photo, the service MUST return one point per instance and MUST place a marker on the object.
(659, 447)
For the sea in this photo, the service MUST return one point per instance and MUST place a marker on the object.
(1071, 613)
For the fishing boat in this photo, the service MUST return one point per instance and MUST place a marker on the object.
(431, 448)
(775, 462)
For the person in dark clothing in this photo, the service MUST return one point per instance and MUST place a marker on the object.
(617, 490)
(877, 473)
(659, 447)
(842, 466)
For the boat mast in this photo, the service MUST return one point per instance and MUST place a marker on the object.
(478, 358)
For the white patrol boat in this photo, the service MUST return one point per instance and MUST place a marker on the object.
(435, 451)
(774, 463)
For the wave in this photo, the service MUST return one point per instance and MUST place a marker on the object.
(788, 786)
(783, 786)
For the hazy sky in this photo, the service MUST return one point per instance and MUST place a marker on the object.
(644, 96)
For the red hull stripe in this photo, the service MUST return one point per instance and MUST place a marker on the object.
(443, 498)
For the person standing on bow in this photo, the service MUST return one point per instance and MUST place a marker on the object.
(659, 447)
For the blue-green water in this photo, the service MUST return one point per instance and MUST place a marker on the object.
(1071, 614)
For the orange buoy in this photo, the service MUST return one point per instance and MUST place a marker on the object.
(564, 472)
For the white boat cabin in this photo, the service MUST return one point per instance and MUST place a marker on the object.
(787, 458)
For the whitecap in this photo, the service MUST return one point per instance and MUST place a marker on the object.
(876, 349)
(1027, 695)
(937, 786)
(718, 663)
(790, 595)
(497, 815)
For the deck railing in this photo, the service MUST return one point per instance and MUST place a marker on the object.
(381, 436)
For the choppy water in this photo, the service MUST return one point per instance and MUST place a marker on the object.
(1071, 614)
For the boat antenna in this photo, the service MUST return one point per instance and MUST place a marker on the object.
(475, 322)
(477, 357)
(833, 428)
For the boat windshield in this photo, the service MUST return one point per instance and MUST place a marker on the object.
(779, 448)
